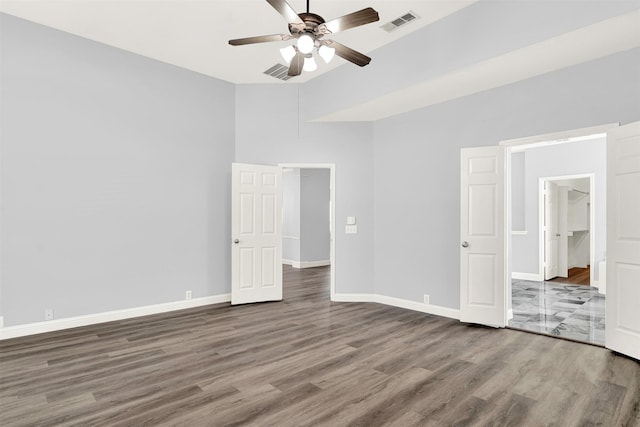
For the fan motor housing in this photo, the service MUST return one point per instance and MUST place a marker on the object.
(311, 22)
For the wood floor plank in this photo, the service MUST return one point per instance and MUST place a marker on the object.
(307, 361)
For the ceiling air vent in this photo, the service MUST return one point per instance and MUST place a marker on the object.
(278, 71)
(400, 21)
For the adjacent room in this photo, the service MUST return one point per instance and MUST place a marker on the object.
(319, 212)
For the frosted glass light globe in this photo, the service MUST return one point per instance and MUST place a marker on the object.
(309, 64)
(326, 53)
(288, 53)
(305, 44)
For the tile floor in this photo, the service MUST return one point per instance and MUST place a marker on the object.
(569, 311)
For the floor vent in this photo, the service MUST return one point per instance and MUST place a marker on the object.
(278, 71)
(398, 22)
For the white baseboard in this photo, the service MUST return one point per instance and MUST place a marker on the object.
(353, 298)
(402, 303)
(510, 314)
(306, 264)
(526, 276)
(109, 316)
(419, 306)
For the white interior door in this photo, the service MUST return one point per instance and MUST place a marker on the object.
(623, 240)
(563, 230)
(256, 233)
(551, 235)
(482, 252)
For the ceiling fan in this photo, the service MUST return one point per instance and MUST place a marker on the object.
(309, 30)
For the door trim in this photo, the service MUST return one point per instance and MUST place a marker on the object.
(332, 221)
(519, 144)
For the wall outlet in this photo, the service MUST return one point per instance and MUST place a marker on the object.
(48, 314)
(187, 295)
(426, 299)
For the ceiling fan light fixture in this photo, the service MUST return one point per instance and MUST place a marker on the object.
(288, 53)
(305, 43)
(309, 64)
(326, 53)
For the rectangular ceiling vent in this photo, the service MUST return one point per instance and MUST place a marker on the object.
(400, 21)
(278, 71)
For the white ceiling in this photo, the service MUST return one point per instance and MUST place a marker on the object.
(194, 34)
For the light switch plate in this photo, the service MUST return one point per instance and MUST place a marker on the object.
(351, 229)
(351, 220)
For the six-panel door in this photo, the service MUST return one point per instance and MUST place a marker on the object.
(256, 233)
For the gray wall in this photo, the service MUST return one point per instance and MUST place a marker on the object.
(291, 215)
(306, 216)
(314, 215)
(269, 131)
(518, 214)
(417, 163)
(115, 177)
(573, 158)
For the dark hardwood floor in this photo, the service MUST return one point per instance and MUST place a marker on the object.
(577, 276)
(308, 361)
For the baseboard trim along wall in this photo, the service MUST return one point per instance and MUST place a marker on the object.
(526, 276)
(306, 264)
(402, 303)
(109, 316)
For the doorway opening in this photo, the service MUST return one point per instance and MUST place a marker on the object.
(309, 218)
(558, 234)
(566, 229)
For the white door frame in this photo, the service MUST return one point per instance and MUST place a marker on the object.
(592, 224)
(332, 221)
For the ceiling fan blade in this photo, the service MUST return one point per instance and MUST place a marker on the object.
(259, 39)
(295, 69)
(286, 11)
(355, 19)
(349, 54)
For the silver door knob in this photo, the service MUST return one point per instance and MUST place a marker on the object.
(236, 241)
(465, 244)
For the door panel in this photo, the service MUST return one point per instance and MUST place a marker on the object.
(256, 255)
(482, 215)
(481, 282)
(623, 240)
(551, 235)
(482, 255)
(563, 240)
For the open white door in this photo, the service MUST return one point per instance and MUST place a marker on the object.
(623, 240)
(256, 233)
(482, 255)
(551, 234)
(563, 231)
